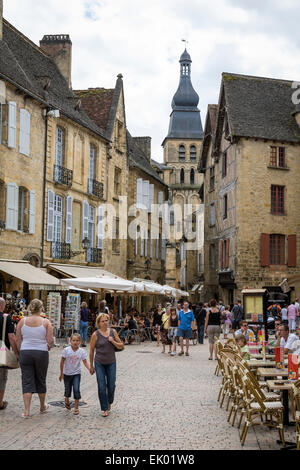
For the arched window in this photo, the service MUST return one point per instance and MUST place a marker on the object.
(182, 176)
(193, 152)
(192, 176)
(181, 152)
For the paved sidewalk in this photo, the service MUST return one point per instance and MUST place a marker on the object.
(161, 402)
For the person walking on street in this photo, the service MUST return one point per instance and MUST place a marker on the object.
(200, 316)
(297, 305)
(227, 321)
(291, 313)
(186, 322)
(84, 323)
(104, 341)
(173, 326)
(34, 338)
(10, 342)
(70, 370)
(157, 320)
(212, 327)
(164, 330)
(237, 315)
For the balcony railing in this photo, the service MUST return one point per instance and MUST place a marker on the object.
(95, 188)
(63, 175)
(94, 255)
(61, 250)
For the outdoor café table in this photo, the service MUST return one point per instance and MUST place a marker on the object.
(284, 387)
(272, 372)
(260, 356)
(261, 363)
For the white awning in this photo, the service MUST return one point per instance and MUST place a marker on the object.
(77, 270)
(35, 277)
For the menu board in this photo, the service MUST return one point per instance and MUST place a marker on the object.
(253, 306)
(279, 358)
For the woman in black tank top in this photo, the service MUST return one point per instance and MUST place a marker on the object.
(213, 327)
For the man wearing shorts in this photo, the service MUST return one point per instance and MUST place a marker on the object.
(186, 322)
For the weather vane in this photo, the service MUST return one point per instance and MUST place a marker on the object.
(185, 41)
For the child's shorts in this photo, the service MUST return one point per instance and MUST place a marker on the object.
(72, 381)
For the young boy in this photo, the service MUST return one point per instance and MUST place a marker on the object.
(70, 370)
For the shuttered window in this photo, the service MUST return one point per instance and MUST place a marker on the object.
(50, 216)
(23, 211)
(69, 220)
(265, 249)
(24, 132)
(100, 231)
(12, 124)
(32, 210)
(151, 196)
(139, 193)
(12, 206)
(85, 222)
(292, 251)
(59, 148)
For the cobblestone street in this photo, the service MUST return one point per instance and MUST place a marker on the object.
(161, 402)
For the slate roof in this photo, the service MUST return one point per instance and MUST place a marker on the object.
(26, 66)
(260, 107)
(137, 159)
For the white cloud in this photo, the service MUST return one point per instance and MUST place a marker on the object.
(142, 40)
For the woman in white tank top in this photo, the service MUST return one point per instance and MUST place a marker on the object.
(34, 338)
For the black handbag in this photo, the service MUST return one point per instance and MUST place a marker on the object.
(115, 347)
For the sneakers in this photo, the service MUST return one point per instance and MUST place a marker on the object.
(173, 354)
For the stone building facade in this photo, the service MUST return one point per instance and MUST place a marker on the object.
(250, 162)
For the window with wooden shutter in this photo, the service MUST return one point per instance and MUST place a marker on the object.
(50, 216)
(100, 231)
(69, 220)
(24, 144)
(277, 199)
(292, 251)
(146, 194)
(265, 249)
(12, 124)
(139, 192)
(32, 210)
(12, 206)
(151, 197)
(227, 253)
(85, 222)
(221, 253)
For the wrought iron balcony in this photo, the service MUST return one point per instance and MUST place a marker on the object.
(95, 188)
(61, 250)
(63, 175)
(94, 255)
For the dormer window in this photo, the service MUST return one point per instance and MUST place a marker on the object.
(181, 152)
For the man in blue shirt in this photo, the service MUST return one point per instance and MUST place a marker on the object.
(186, 322)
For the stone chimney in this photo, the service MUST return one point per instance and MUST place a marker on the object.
(59, 46)
(144, 143)
(1, 18)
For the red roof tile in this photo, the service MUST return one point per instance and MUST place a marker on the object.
(97, 102)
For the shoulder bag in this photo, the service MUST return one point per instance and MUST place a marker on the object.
(8, 359)
(111, 333)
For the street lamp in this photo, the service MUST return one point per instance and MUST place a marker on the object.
(86, 243)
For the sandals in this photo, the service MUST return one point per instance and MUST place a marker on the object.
(4, 405)
(45, 409)
(180, 353)
(105, 414)
(23, 415)
(68, 405)
(76, 412)
(187, 354)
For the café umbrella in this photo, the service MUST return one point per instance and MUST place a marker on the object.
(100, 283)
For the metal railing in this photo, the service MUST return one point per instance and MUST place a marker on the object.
(95, 188)
(63, 175)
(60, 250)
(94, 255)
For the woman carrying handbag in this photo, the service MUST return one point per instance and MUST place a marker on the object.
(7, 360)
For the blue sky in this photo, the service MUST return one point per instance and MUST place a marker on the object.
(142, 40)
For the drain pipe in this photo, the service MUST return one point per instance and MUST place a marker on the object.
(44, 188)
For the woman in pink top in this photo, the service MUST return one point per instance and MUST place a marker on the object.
(291, 313)
(34, 337)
